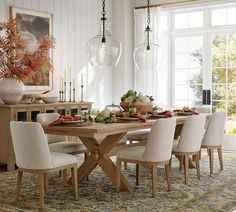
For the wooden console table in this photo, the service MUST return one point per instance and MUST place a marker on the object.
(28, 112)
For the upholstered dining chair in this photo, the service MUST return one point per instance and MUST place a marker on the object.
(213, 138)
(33, 155)
(189, 142)
(156, 152)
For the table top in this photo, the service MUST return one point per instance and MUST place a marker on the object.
(101, 128)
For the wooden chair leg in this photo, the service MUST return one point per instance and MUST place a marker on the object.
(197, 166)
(125, 165)
(118, 167)
(154, 179)
(211, 158)
(41, 190)
(86, 155)
(168, 177)
(137, 174)
(45, 182)
(180, 162)
(186, 166)
(75, 180)
(18, 184)
(220, 158)
(64, 176)
(200, 154)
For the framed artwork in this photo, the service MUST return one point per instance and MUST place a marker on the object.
(33, 26)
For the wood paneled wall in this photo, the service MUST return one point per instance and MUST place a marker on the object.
(74, 23)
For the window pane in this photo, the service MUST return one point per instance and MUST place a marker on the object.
(232, 75)
(195, 60)
(181, 21)
(181, 45)
(218, 59)
(219, 75)
(181, 104)
(232, 58)
(231, 109)
(181, 60)
(219, 42)
(218, 17)
(195, 44)
(232, 41)
(195, 103)
(181, 76)
(218, 92)
(196, 19)
(232, 92)
(218, 106)
(232, 16)
(195, 92)
(195, 76)
(181, 92)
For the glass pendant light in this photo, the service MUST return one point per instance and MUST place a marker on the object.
(103, 49)
(145, 55)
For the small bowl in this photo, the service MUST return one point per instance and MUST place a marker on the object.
(49, 99)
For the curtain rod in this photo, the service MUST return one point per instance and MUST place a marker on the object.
(167, 4)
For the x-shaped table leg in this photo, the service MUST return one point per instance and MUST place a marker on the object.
(99, 156)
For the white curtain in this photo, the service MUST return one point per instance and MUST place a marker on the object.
(149, 83)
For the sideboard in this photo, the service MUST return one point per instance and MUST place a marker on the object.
(28, 112)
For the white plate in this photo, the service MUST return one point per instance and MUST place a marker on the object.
(72, 122)
(128, 119)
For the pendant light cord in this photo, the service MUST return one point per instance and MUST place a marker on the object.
(103, 21)
(148, 29)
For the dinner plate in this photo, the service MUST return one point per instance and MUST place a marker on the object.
(158, 116)
(128, 119)
(184, 113)
(72, 122)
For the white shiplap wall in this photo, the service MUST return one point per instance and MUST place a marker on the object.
(74, 23)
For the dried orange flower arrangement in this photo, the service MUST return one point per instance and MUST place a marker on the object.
(19, 63)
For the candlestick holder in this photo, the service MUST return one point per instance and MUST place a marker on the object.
(82, 94)
(70, 92)
(64, 96)
(73, 94)
(60, 97)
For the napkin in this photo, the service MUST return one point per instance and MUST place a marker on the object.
(138, 115)
(166, 113)
(64, 119)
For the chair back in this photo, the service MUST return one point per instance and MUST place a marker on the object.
(204, 110)
(215, 130)
(160, 140)
(46, 118)
(192, 134)
(30, 145)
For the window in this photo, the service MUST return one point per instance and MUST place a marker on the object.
(204, 57)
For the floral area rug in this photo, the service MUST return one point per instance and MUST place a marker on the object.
(213, 194)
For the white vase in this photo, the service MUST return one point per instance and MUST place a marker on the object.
(11, 90)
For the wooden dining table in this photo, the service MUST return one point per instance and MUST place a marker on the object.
(100, 139)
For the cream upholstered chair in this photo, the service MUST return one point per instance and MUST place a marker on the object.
(33, 156)
(213, 138)
(156, 152)
(60, 143)
(189, 143)
(203, 110)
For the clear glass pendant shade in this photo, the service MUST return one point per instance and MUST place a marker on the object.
(104, 53)
(146, 55)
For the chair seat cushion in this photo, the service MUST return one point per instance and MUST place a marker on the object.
(138, 135)
(61, 159)
(132, 153)
(67, 147)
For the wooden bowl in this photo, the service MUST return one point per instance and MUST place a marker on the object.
(140, 107)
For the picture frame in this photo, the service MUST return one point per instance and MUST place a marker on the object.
(34, 25)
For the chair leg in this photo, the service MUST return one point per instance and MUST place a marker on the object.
(41, 190)
(45, 182)
(211, 158)
(200, 154)
(118, 167)
(197, 165)
(125, 165)
(64, 177)
(168, 177)
(18, 184)
(181, 162)
(186, 166)
(154, 179)
(220, 158)
(86, 155)
(75, 181)
(137, 174)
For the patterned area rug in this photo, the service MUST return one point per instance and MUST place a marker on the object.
(214, 194)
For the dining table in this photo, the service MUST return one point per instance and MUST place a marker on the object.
(100, 139)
